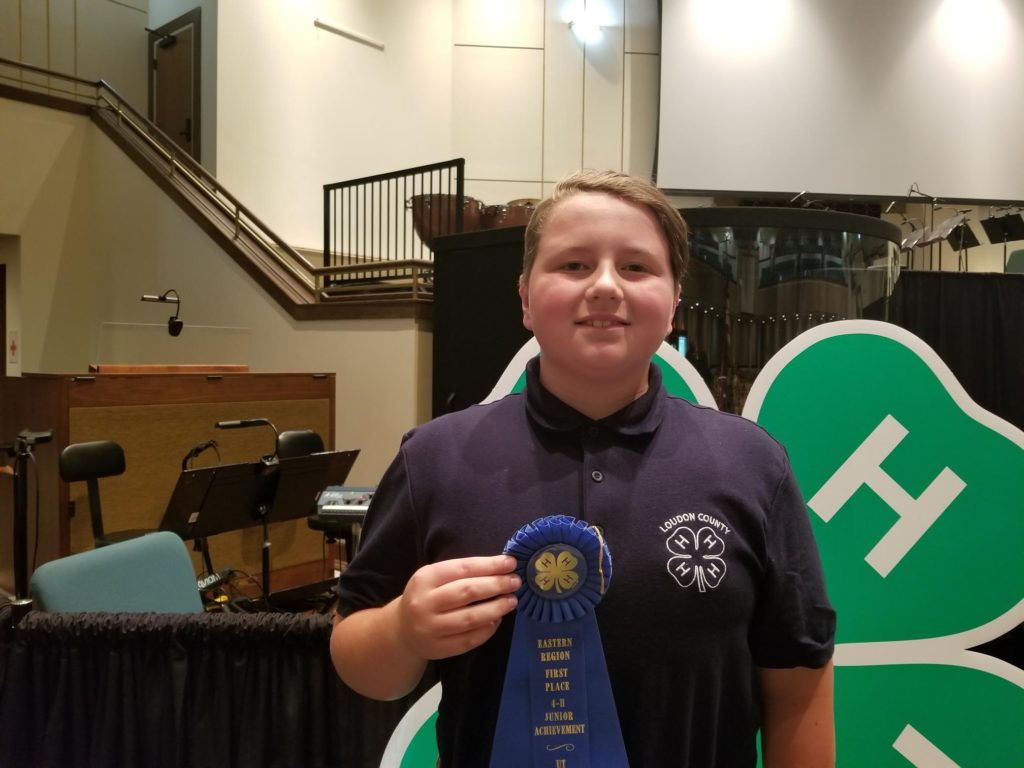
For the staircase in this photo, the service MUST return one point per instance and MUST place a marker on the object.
(305, 291)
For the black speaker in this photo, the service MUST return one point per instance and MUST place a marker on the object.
(478, 318)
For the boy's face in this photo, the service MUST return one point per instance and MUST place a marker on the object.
(600, 296)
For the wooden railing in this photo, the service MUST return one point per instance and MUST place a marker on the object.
(380, 229)
(337, 279)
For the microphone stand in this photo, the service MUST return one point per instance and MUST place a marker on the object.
(201, 544)
(263, 510)
(20, 450)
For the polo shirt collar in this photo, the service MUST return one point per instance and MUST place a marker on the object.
(640, 417)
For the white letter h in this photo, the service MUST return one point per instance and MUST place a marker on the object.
(916, 516)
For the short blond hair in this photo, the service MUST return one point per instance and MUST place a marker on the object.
(631, 189)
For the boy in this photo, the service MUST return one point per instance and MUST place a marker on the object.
(716, 623)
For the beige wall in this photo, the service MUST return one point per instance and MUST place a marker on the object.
(531, 103)
(91, 39)
(41, 203)
(94, 233)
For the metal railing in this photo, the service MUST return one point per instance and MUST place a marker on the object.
(380, 228)
(178, 163)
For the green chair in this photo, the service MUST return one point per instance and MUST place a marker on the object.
(151, 573)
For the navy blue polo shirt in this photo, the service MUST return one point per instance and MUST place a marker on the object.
(715, 569)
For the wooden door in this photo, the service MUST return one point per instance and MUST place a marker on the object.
(175, 82)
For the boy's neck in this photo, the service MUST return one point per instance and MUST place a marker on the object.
(594, 398)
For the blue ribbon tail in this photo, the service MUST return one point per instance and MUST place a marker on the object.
(557, 707)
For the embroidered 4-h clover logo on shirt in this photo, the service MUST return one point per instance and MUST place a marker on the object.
(697, 557)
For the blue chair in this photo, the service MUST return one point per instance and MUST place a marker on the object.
(152, 573)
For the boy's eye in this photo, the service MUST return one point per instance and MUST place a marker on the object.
(573, 266)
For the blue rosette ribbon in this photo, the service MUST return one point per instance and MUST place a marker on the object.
(557, 707)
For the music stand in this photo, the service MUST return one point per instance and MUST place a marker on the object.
(230, 497)
(1003, 229)
(911, 241)
(302, 478)
(962, 237)
(958, 232)
(913, 238)
(218, 499)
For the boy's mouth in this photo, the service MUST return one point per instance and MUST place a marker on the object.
(597, 323)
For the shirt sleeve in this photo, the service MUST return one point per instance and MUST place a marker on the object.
(794, 623)
(389, 552)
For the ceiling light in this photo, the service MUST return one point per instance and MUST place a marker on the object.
(585, 27)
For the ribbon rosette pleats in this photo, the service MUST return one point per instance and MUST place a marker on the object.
(556, 705)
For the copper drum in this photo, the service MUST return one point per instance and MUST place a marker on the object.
(434, 215)
(520, 211)
(493, 216)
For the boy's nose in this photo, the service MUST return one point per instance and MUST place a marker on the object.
(605, 281)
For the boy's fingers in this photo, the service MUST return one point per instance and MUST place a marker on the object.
(448, 571)
(468, 592)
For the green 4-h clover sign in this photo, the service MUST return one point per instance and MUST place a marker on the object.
(915, 495)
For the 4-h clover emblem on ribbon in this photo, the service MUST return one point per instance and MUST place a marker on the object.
(556, 570)
(914, 493)
(697, 557)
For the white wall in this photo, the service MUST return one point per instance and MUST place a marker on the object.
(844, 97)
(504, 85)
(300, 107)
(531, 103)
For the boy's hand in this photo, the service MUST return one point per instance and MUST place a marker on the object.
(454, 606)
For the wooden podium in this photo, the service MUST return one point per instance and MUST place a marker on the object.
(157, 418)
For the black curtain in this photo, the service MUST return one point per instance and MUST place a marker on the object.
(155, 690)
(975, 322)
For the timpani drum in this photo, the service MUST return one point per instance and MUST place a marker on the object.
(519, 211)
(434, 215)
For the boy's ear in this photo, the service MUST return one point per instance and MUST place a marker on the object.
(672, 315)
(524, 298)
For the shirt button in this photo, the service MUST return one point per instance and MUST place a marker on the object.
(597, 476)
(593, 431)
